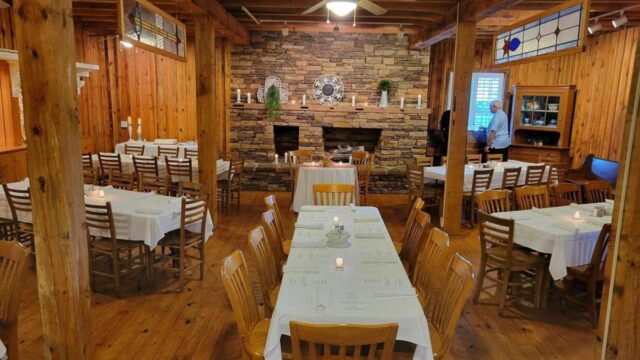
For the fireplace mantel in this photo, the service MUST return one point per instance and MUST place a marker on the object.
(337, 108)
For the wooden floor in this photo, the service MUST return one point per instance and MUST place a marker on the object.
(197, 324)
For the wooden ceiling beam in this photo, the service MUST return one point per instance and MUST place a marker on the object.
(435, 7)
(470, 11)
(224, 22)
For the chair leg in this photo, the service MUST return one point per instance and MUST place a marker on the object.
(503, 290)
(540, 284)
(115, 264)
(593, 310)
(479, 282)
(12, 341)
(202, 260)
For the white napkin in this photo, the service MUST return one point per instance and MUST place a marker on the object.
(309, 225)
(365, 218)
(369, 235)
(313, 208)
(310, 241)
(302, 268)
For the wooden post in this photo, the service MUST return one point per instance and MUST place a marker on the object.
(227, 94)
(221, 129)
(45, 41)
(621, 301)
(456, 155)
(206, 107)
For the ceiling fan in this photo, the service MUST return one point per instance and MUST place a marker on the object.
(344, 7)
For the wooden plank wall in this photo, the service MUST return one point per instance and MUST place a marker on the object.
(602, 74)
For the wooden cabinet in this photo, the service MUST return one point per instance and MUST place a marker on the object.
(541, 120)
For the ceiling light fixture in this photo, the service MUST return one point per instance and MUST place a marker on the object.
(401, 32)
(285, 29)
(595, 27)
(126, 44)
(341, 7)
(620, 21)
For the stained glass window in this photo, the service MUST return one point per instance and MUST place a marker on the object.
(145, 24)
(485, 87)
(559, 31)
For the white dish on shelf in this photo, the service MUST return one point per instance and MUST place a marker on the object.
(553, 107)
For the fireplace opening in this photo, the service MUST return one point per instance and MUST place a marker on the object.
(341, 140)
(286, 138)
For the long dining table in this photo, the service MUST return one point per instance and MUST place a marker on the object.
(137, 216)
(568, 233)
(372, 287)
(3, 351)
(151, 147)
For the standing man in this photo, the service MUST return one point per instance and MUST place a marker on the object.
(499, 138)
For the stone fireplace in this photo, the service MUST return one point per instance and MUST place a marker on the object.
(285, 138)
(368, 139)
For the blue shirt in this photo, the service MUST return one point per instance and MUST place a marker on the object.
(500, 124)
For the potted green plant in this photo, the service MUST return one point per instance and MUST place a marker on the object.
(272, 102)
(384, 86)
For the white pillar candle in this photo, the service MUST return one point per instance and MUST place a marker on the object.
(238, 96)
(286, 157)
(339, 263)
(577, 215)
(248, 98)
(129, 120)
(353, 100)
(276, 158)
(293, 102)
(419, 101)
(366, 104)
(101, 193)
(139, 121)
(350, 159)
(402, 103)
(304, 102)
(336, 221)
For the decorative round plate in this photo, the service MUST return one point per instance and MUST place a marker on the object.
(328, 90)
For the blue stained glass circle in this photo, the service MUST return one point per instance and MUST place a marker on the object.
(514, 44)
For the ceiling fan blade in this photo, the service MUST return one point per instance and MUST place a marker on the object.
(315, 7)
(373, 8)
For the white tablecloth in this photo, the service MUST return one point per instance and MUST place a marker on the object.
(137, 216)
(128, 167)
(554, 231)
(373, 287)
(308, 176)
(439, 173)
(151, 148)
(3, 352)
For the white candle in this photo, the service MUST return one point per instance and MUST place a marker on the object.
(294, 159)
(101, 193)
(304, 102)
(339, 263)
(276, 157)
(350, 159)
(139, 121)
(577, 215)
(419, 101)
(366, 104)
(238, 96)
(402, 103)
(248, 98)
(353, 100)
(286, 157)
(129, 120)
(336, 221)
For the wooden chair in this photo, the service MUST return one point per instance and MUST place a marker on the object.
(13, 273)
(418, 189)
(193, 213)
(474, 159)
(480, 182)
(444, 160)
(567, 194)
(145, 164)
(300, 156)
(268, 222)
(124, 256)
(557, 173)
(266, 266)
(20, 206)
(431, 264)
(229, 189)
(272, 205)
(192, 154)
(597, 191)
(495, 157)
(417, 206)
(168, 151)
(528, 197)
(493, 201)
(510, 178)
(108, 162)
(178, 170)
(444, 314)
(293, 175)
(130, 149)
(190, 189)
(335, 341)
(149, 183)
(363, 161)
(252, 326)
(414, 241)
(90, 176)
(87, 161)
(422, 160)
(499, 255)
(120, 180)
(6, 225)
(333, 194)
(590, 276)
(535, 174)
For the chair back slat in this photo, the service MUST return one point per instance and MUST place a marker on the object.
(528, 197)
(431, 263)
(131, 149)
(422, 160)
(474, 159)
(600, 251)
(495, 157)
(415, 180)
(417, 206)
(493, 201)
(13, 271)
(363, 161)
(267, 265)
(333, 194)
(597, 191)
(511, 178)
(145, 164)
(193, 211)
(149, 183)
(300, 156)
(444, 160)
(496, 233)
(270, 202)
(566, 194)
(237, 284)
(535, 174)
(167, 151)
(100, 218)
(120, 180)
(236, 169)
(179, 169)
(19, 201)
(414, 240)
(481, 180)
(557, 173)
(87, 161)
(335, 341)
(109, 162)
(191, 154)
(268, 222)
(190, 189)
(90, 176)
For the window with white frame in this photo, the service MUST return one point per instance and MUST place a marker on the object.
(485, 87)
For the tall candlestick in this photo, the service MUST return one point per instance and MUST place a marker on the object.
(276, 158)
(238, 96)
(402, 103)
(304, 102)
(353, 101)
(248, 98)
(419, 101)
(286, 157)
